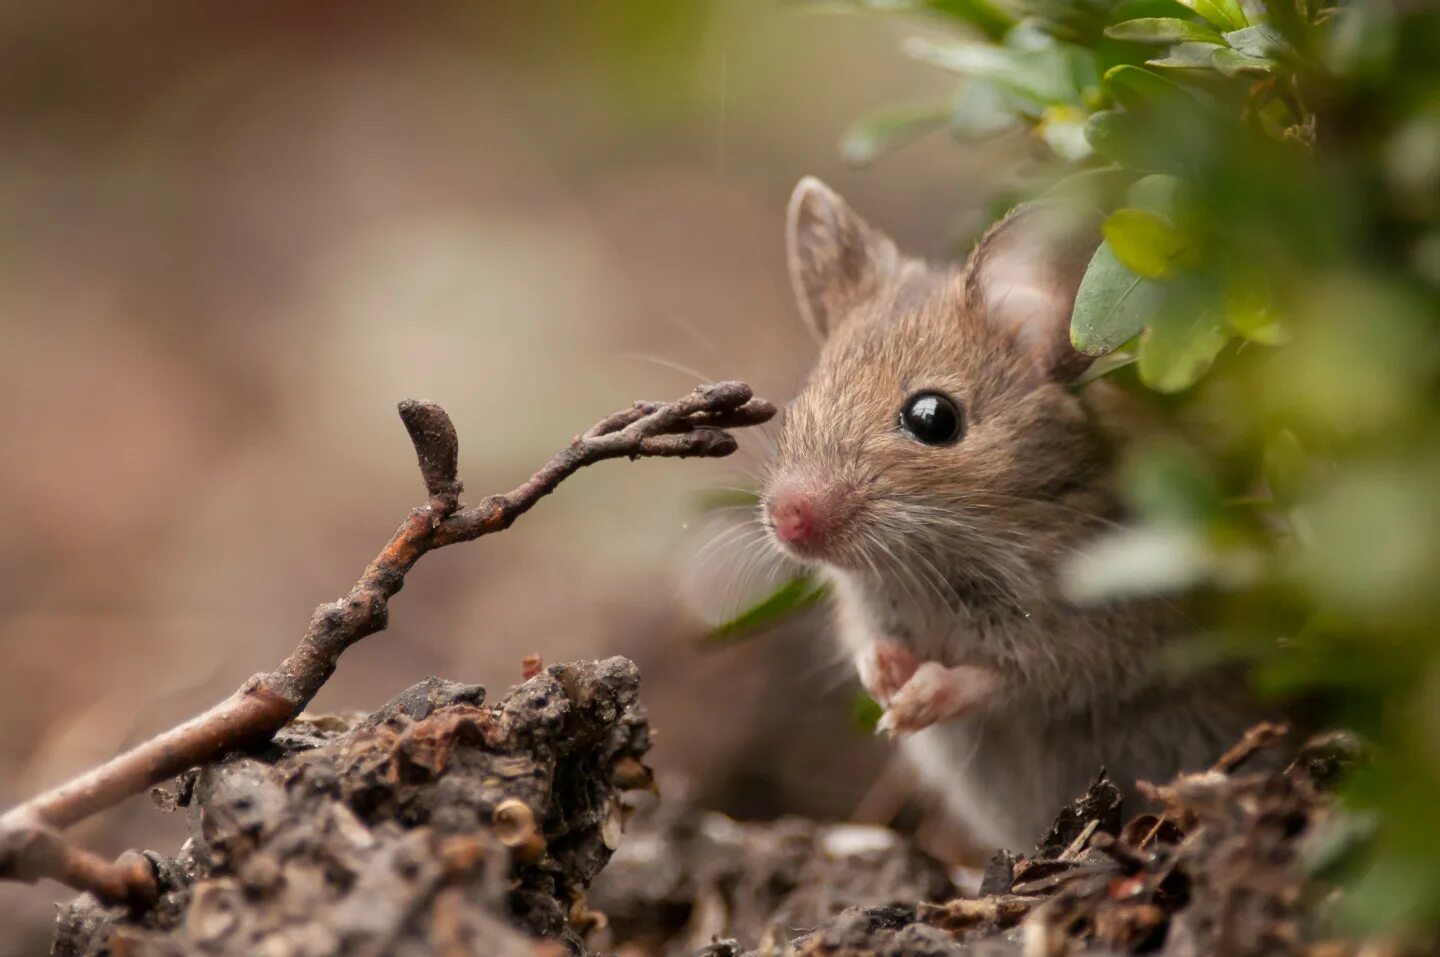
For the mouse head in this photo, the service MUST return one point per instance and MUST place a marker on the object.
(937, 438)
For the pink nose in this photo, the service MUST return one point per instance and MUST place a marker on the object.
(794, 518)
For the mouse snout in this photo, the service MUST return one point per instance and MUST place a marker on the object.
(807, 519)
(793, 516)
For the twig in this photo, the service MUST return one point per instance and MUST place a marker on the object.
(1264, 735)
(31, 846)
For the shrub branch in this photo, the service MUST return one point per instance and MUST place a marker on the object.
(31, 843)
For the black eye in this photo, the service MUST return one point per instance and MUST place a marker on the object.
(932, 418)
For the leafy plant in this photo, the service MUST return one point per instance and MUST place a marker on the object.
(1269, 171)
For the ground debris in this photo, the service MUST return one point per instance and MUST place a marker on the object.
(1218, 871)
(378, 835)
(440, 825)
(686, 879)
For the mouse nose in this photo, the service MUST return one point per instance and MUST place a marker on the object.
(793, 515)
(806, 518)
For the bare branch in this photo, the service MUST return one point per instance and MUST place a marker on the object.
(30, 843)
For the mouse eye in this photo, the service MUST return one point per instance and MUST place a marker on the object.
(931, 417)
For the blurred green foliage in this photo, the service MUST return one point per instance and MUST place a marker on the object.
(1270, 175)
(791, 596)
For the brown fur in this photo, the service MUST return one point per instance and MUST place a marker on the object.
(954, 552)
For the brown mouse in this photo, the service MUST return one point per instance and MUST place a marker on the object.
(938, 468)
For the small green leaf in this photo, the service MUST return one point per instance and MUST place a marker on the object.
(1262, 40)
(865, 712)
(1120, 137)
(1157, 193)
(1169, 483)
(889, 127)
(1137, 88)
(1231, 63)
(1148, 246)
(1175, 351)
(1112, 306)
(983, 110)
(1162, 30)
(720, 499)
(963, 58)
(1102, 367)
(1224, 14)
(1248, 310)
(989, 18)
(1188, 56)
(793, 596)
(1039, 76)
(1102, 188)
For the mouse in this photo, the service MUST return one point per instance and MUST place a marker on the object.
(938, 467)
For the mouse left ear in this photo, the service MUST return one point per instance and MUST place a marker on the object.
(837, 260)
(1023, 277)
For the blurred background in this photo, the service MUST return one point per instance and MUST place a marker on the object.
(235, 236)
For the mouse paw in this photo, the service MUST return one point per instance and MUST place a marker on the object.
(884, 668)
(936, 693)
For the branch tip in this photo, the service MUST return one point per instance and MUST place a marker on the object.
(438, 449)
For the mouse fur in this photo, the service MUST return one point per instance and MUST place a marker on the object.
(953, 554)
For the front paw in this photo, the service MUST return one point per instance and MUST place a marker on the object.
(884, 668)
(936, 693)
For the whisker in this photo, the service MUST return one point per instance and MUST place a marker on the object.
(670, 364)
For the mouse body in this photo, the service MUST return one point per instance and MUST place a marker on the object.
(938, 468)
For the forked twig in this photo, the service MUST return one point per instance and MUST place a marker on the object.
(31, 845)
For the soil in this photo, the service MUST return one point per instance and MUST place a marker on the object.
(440, 825)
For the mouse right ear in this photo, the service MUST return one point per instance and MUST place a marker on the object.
(837, 260)
(1024, 275)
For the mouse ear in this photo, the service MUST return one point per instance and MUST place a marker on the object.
(837, 260)
(1023, 277)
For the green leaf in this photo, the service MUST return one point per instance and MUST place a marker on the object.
(965, 59)
(1102, 188)
(1102, 367)
(1162, 30)
(721, 499)
(1041, 76)
(1149, 246)
(1157, 193)
(1112, 306)
(865, 712)
(1262, 40)
(1224, 14)
(1137, 88)
(889, 127)
(1169, 483)
(1175, 351)
(982, 111)
(1248, 310)
(1188, 56)
(989, 18)
(793, 596)
(1231, 63)
(1120, 137)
